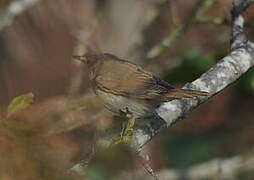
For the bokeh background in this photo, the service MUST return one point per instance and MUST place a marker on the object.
(35, 56)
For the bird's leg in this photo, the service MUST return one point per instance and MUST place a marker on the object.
(126, 133)
(127, 127)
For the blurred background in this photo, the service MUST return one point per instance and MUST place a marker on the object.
(35, 56)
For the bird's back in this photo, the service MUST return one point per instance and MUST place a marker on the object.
(123, 78)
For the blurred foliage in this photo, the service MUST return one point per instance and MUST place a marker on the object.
(182, 150)
(43, 140)
(246, 82)
(109, 163)
(19, 103)
(39, 142)
(245, 175)
(20, 157)
(194, 63)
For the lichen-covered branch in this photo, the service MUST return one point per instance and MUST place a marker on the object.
(225, 72)
(222, 74)
(12, 10)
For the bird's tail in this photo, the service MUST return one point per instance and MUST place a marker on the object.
(184, 93)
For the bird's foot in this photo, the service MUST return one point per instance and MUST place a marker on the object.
(125, 113)
(126, 133)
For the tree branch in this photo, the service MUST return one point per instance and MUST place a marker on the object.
(14, 9)
(222, 74)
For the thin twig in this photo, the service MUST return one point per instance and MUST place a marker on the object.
(146, 165)
(218, 21)
(167, 41)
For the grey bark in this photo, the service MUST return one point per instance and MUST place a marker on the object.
(239, 60)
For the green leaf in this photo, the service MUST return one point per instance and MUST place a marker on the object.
(126, 133)
(19, 103)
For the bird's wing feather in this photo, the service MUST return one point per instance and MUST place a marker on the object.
(124, 78)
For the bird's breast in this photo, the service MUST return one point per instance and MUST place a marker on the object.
(115, 103)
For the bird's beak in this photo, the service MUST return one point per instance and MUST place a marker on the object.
(80, 58)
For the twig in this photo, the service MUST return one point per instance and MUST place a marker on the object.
(146, 165)
(167, 41)
(218, 21)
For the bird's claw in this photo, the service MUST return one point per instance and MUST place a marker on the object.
(126, 113)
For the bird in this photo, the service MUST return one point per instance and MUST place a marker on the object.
(123, 86)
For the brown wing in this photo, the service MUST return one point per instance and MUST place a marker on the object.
(124, 78)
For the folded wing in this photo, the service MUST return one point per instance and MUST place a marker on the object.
(123, 78)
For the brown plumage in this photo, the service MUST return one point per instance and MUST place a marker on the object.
(122, 84)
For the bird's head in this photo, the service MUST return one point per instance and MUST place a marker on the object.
(90, 58)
